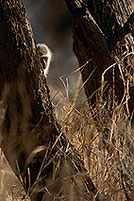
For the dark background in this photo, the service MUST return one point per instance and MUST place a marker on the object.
(51, 23)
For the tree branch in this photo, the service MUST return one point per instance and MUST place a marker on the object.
(94, 25)
(91, 31)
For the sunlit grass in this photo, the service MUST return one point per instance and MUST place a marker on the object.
(102, 134)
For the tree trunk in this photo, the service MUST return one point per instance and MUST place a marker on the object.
(37, 151)
(101, 36)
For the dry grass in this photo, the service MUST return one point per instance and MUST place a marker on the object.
(106, 146)
(103, 135)
(10, 188)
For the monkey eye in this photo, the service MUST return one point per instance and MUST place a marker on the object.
(44, 61)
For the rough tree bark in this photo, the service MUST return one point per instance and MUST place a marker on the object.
(47, 165)
(101, 32)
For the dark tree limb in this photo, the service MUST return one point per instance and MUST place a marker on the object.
(48, 169)
(91, 31)
(95, 26)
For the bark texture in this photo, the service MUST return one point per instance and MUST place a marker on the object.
(101, 33)
(47, 165)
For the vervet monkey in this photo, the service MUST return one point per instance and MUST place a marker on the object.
(45, 56)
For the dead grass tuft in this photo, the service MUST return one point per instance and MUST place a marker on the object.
(102, 133)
